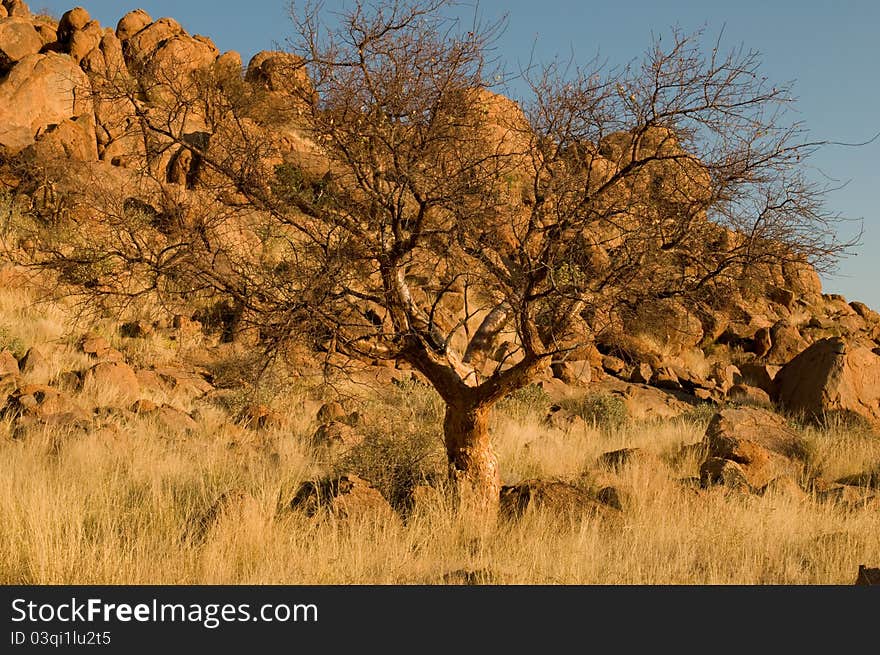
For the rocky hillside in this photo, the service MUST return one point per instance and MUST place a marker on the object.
(773, 340)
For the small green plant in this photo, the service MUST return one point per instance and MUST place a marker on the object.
(604, 410)
(701, 414)
(11, 343)
(528, 400)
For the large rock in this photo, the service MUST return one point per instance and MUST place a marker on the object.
(41, 90)
(555, 497)
(118, 376)
(576, 373)
(344, 497)
(72, 139)
(18, 39)
(786, 341)
(149, 38)
(84, 41)
(8, 364)
(71, 21)
(41, 401)
(132, 23)
(867, 576)
(758, 441)
(17, 8)
(832, 377)
(277, 71)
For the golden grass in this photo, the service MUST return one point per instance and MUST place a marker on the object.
(119, 505)
(116, 506)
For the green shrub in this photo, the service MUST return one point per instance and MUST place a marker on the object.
(605, 410)
(529, 400)
(395, 463)
(13, 344)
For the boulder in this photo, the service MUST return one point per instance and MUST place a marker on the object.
(32, 362)
(116, 375)
(187, 382)
(132, 23)
(665, 378)
(277, 71)
(18, 39)
(749, 395)
(336, 433)
(725, 376)
(787, 343)
(8, 364)
(759, 375)
(41, 90)
(47, 33)
(613, 365)
(230, 62)
(42, 401)
(832, 377)
(259, 417)
(781, 296)
(802, 278)
(16, 8)
(784, 486)
(331, 411)
(642, 373)
(643, 402)
(343, 497)
(554, 497)
(171, 419)
(576, 373)
(759, 442)
(867, 576)
(72, 21)
(717, 471)
(98, 347)
(868, 314)
(56, 424)
(72, 139)
(143, 406)
(143, 43)
(84, 41)
(625, 456)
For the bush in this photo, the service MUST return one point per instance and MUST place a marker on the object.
(402, 446)
(529, 400)
(605, 410)
(13, 344)
(395, 464)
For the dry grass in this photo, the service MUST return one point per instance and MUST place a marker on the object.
(120, 504)
(116, 507)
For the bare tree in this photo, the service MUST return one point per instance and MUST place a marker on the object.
(427, 219)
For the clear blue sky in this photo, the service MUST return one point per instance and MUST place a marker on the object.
(831, 50)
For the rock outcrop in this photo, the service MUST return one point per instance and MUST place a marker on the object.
(18, 39)
(345, 497)
(41, 90)
(832, 377)
(750, 446)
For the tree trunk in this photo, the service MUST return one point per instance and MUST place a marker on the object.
(473, 466)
